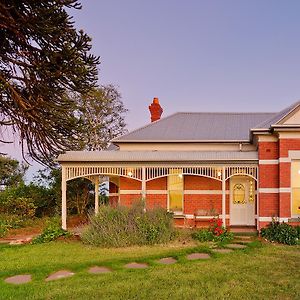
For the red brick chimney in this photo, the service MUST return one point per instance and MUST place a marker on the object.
(155, 110)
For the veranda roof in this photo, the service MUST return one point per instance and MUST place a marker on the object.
(157, 156)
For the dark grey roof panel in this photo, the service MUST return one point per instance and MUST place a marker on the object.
(198, 127)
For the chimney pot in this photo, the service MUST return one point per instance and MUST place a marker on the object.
(155, 110)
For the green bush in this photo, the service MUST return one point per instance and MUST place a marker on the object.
(282, 233)
(9, 221)
(216, 232)
(124, 226)
(51, 232)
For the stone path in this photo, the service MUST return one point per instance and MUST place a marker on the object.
(25, 278)
(222, 250)
(59, 275)
(98, 270)
(167, 261)
(135, 265)
(195, 256)
(18, 279)
(236, 246)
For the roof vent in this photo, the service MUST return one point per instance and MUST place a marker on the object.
(155, 110)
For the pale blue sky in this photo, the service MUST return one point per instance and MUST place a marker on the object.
(196, 55)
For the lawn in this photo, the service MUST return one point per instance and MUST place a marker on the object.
(258, 272)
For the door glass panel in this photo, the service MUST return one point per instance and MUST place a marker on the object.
(239, 194)
(175, 200)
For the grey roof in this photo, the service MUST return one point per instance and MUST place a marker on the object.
(200, 127)
(156, 156)
(266, 124)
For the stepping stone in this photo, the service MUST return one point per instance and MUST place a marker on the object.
(195, 256)
(135, 265)
(98, 270)
(245, 242)
(222, 250)
(236, 246)
(18, 279)
(59, 275)
(167, 261)
(243, 237)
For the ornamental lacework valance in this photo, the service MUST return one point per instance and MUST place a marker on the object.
(150, 173)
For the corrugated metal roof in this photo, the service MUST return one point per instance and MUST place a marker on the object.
(198, 127)
(156, 156)
(277, 117)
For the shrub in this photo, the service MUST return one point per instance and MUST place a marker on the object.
(8, 221)
(216, 232)
(51, 232)
(281, 232)
(124, 226)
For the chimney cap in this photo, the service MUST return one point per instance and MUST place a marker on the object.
(155, 100)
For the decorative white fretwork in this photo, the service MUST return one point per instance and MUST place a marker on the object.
(153, 172)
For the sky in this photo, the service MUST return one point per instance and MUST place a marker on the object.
(195, 55)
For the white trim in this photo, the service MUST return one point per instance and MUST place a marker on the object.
(269, 219)
(268, 190)
(268, 162)
(284, 160)
(130, 192)
(267, 138)
(288, 135)
(294, 154)
(265, 219)
(113, 194)
(156, 192)
(285, 190)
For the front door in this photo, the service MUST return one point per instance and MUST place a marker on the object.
(242, 201)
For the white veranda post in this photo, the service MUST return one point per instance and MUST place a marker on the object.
(64, 199)
(224, 197)
(96, 181)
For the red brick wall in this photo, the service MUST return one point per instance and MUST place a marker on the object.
(157, 184)
(268, 176)
(268, 205)
(268, 150)
(129, 199)
(201, 183)
(285, 205)
(113, 188)
(153, 201)
(192, 203)
(130, 184)
(288, 144)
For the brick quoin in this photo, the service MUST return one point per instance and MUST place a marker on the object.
(268, 176)
(285, 174)
(268, 150)
(284, 205)
(268, 204)
(288, 144)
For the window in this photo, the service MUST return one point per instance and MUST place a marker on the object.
(239, 194)
(175, 188)
(295, 183)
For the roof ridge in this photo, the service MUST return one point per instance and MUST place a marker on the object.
(226, 113)
(143, 127)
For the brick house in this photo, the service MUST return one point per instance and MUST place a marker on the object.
(241, 167)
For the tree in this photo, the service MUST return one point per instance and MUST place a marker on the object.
(11, 172)
(102, 116)
(44, 60)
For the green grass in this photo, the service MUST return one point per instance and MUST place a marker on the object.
(258, 272)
